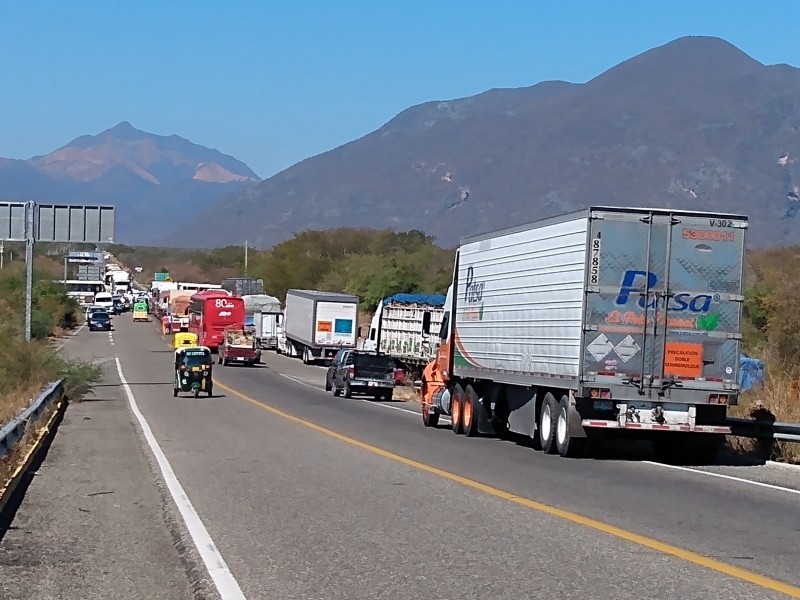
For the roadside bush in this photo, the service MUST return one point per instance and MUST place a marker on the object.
(27, 367)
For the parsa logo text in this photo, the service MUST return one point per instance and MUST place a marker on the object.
(633, 287)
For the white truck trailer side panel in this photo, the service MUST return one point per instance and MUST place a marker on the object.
(299, 319)
(335, 323)
(520, 302)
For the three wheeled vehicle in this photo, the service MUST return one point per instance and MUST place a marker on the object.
(193, 370)
(183, 339)
(140, 310)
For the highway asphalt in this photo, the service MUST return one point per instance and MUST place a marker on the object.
(94, 523)
(310, 496)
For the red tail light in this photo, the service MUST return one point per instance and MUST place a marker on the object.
(351, 372)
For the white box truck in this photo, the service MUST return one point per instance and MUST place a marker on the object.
(316, 325)
(610, 320)
(267, 315)
(399, 324)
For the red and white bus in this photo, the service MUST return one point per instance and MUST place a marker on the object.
(210, 312)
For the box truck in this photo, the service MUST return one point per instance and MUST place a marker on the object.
(316, 325)
(243, 286)
(399, 326)
(607, 321)
(266, 314)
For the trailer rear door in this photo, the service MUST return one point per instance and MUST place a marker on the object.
(664, 298)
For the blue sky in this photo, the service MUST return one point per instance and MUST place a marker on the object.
(272, 83)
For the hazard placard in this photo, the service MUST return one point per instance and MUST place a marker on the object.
(683, 359)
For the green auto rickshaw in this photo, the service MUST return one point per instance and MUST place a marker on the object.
(193, 370)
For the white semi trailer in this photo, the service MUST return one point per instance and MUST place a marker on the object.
(614, 320)
(316, 324)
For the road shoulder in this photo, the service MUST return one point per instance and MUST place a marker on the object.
(94, 522)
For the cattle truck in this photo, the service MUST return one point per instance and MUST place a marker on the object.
(607, 321)
(316, 324)
(398, 328)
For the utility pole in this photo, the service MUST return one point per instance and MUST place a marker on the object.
(29, 236)
(2, 253)
(245, 257)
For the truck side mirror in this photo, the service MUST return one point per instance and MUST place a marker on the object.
(426, 322)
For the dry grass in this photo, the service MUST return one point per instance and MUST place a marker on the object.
(406, 393)
(778, 400)
(13, 403)
(17, 454)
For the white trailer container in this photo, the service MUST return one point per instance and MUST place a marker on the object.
(267, 314)
(398, 327)
(608, 320)
(318, 324)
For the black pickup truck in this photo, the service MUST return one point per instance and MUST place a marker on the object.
(361, 372)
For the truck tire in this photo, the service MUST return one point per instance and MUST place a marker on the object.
(547, 424)
(469, 411)
(429, 419)
(306, 356)
(456, 405)
(568, 446)
(328, 386)
(348, 393)
(336, 391)
(387, 397)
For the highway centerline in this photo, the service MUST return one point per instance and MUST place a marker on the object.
(653, 544)
(696, 471)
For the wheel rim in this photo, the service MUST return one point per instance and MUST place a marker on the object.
(561, 426)
(456, 410)
(467, 414)
(546, 422)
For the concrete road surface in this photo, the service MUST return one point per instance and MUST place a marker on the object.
(303, 495)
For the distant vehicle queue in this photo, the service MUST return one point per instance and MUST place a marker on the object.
(605, 322)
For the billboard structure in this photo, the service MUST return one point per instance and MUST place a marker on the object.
(31, 222)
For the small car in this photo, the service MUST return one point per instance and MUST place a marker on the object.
(99, 321)
(90, 310)
(361, 372)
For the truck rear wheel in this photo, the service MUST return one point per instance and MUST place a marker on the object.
(568, 446)
(470, 412)
(456, 404)
(429, 419)
(547, 424)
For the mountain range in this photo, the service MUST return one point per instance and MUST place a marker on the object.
(694, 124)
(150, 179)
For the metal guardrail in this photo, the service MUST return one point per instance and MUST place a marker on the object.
(15, 429)
(765, 430)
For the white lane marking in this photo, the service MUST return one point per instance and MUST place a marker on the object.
(782, 465)
(370, 402)
(72, 335)
(722, 476)
(224, 581)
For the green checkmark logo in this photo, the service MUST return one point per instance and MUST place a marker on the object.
(708, 322)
